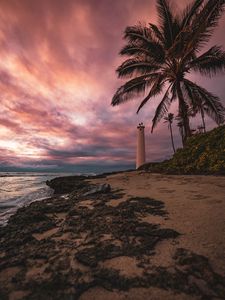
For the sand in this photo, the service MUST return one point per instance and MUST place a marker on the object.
(196, 209)
(61, 242)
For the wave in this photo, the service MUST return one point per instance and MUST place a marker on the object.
(18, 189)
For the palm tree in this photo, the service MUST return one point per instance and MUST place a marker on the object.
(161, 56)
(203, 118)
(169, 119)
(200, 129)
(199, 107)
(180, 125)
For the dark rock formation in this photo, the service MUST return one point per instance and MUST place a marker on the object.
(102, 188)
(67, 184)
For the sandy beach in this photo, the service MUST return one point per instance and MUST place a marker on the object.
(195, 206)
(196, 209)
(152, 236)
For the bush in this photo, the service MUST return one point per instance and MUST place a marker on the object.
(204, 153)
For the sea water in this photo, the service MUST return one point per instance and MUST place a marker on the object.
(21, 188)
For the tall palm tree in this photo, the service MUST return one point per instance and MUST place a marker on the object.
(161, 56)
(169, 119)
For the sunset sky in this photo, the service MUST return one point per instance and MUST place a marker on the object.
(57, 79)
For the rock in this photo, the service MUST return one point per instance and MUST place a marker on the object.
(202, 285)
(102, 188)
(67, 184)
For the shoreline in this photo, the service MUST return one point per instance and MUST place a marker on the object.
(140, 238)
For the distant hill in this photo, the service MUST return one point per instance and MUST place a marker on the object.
(204, 153)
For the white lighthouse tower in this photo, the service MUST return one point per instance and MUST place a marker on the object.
(140, 159)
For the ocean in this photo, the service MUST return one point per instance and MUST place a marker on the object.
(21, 188)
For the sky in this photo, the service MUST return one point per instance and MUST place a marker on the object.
(57, 79)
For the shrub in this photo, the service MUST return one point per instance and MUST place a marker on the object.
(204, 153)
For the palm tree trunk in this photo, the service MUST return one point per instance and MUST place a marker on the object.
(182, 135)
(203, 119)
(183, 111)
(171, 134)
(181, 130)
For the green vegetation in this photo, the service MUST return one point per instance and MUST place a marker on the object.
(160, 58)
(204, 153)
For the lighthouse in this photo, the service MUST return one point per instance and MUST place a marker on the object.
(140, 159)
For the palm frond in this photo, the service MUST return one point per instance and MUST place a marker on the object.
(155, 90)
(166, 21)
(182, 46)
(179, 47)
(204, 22)
(157, 32)
(189, 13)
(192, 95)
(162, 108)
(211, 13)
(212, 104)
(134, 49)
(173, 92)
(133, 88)
(209, 63)
(136, 67)
(140, 40)
(138, 33)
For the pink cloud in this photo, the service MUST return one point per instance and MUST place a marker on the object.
(57, 78)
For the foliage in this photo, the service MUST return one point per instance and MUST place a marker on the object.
(204, 153)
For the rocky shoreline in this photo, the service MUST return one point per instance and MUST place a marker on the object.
(91, 238)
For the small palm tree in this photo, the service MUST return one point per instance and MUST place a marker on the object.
(160, 57)
(201, 129)
(200, 107)
(169, 119)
